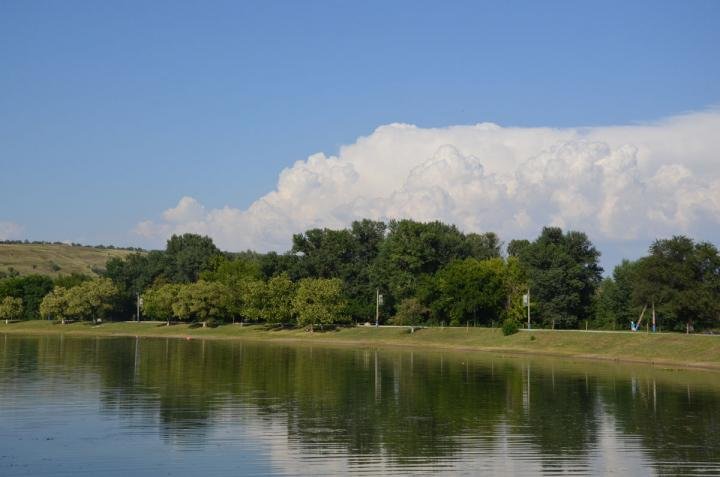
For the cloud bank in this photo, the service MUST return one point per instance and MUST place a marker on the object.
(617, 183)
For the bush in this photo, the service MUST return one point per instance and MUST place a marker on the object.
(212, 323)
(410, 312)
(509, 327)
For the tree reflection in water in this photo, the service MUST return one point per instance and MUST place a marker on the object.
(408, 406)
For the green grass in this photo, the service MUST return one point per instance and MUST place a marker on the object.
(667, 349)
(54, 260)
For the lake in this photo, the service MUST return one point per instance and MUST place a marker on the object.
(127, 406)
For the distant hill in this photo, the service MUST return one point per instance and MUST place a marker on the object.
(55, 259)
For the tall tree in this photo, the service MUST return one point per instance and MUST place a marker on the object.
(614, 306)
(483, 246)
(682, 279)
(233, 271)
(563, 273)
(471, 290)
(344, 254)
(413, 249)
(516, 246)
(132, 275)
(187, 255)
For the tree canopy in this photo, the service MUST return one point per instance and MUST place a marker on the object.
(563, 273)
(426, 271)
(682, 279)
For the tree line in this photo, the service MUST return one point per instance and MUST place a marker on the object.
(428, 273)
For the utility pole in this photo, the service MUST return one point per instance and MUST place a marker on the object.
(528, 305)
(377, 307)
(139, 302)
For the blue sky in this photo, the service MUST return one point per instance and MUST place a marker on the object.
(111, 112)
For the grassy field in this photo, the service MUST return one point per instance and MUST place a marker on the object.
(54, 260)
(665, 349)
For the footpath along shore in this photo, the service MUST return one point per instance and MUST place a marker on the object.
(661, 349)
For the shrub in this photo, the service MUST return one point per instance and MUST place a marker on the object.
(509, 327)
(212, 323)
(410, 312)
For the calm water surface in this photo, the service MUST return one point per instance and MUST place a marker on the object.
(125, 406)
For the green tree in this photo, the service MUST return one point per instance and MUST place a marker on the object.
(54, 305)
(158, 301)
(30, 289)
(319, 301)
(69, 281)
(187, 256)
(232, 272)
(614, 306)
(182, 306)
(410, 312)
(134, 274)
(343, 254)
(471, 290)
(279, 292)
(202, 301)
(91, 300)
(515, 247)
(11, 308)
(413, 249)
(253, 299)
(682, 279)
(563, 272)
(516, 285)
(483, 246)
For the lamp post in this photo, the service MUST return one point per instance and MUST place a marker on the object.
(378, 302)
(139, 303)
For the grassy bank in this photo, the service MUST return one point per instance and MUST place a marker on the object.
(662, 349)
(55, 259)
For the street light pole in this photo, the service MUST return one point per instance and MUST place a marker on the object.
(377, 307)
(528, 305)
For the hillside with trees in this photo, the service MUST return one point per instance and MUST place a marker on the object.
(19, 258)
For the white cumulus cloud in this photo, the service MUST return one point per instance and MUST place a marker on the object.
(616, 183)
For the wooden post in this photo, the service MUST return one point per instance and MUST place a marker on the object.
(642, 313)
